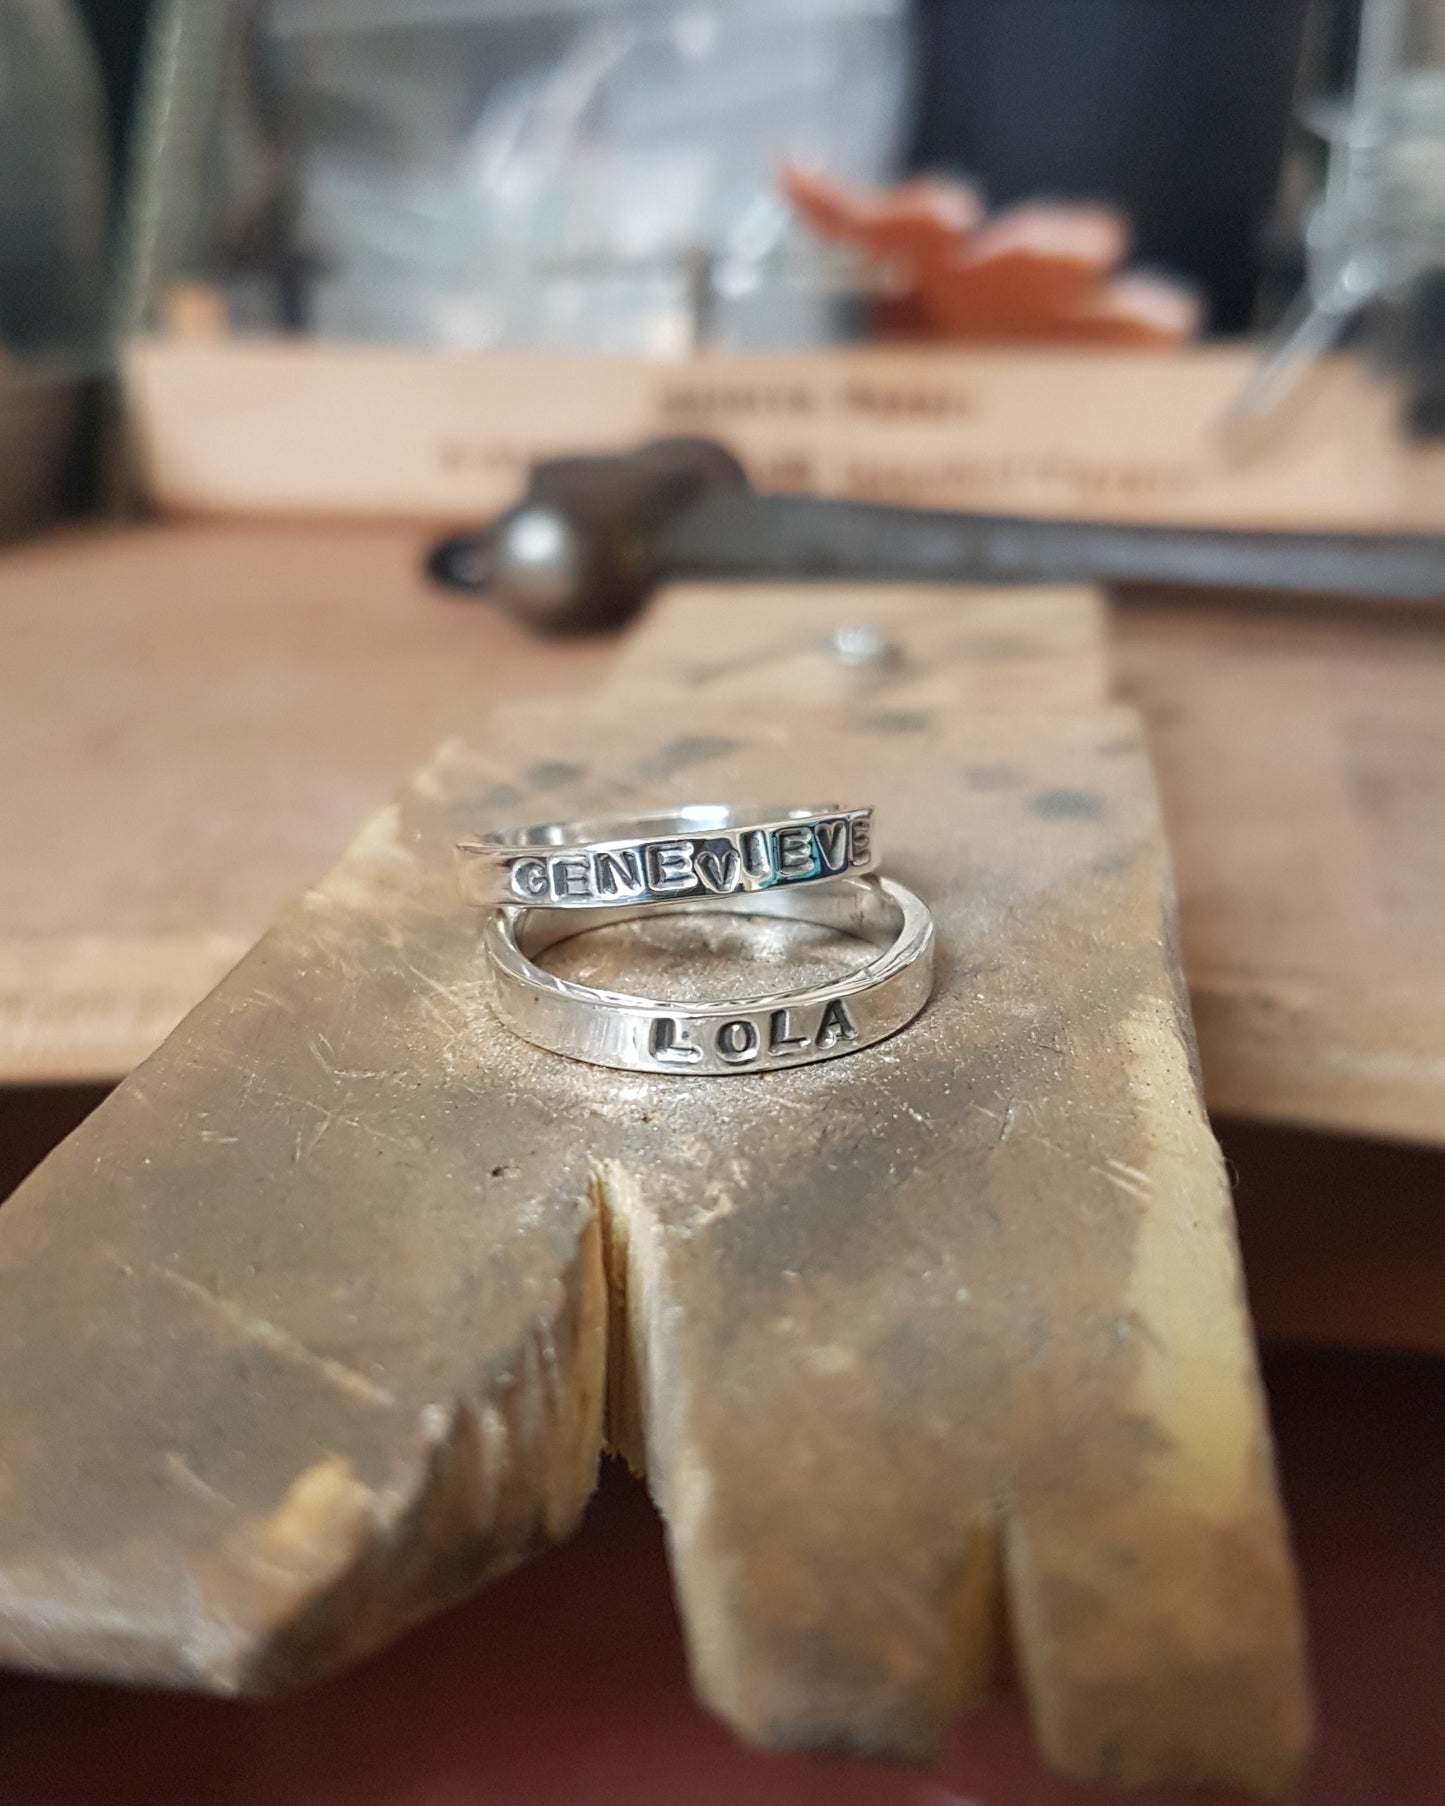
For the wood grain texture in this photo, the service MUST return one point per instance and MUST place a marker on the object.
(193, 719)
(941, 1337)
(767, 645)
(1302, 765)
(1301, 759)
(192, 724)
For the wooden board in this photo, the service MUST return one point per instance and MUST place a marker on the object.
(192, 724)
(940, 1337)
(1303, 771)
(193, 720)
(566, 1684)
(772, 645)
(1302, 763)
(300, 429)
(198, 718)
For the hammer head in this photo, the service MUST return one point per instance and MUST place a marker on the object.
(579, 552)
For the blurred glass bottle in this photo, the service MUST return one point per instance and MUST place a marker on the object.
(52, 182)
(1375, 241)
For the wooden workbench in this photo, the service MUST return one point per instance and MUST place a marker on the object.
(347, 1285)
(194, 719)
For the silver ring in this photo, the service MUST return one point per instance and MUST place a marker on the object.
(706, 850)
(740, 1034)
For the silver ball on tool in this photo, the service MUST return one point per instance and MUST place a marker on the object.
(859, 643)
(538, 565)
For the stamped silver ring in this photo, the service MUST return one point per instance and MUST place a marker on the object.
(704, 850)
(740, 1034)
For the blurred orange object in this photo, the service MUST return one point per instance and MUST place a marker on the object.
(1040, 271)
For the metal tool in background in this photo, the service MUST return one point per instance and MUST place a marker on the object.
(594, 534)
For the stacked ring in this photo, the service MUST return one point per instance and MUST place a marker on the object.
(545, 884)
(707, 850)
(744, 1034)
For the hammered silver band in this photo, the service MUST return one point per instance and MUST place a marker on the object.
(742, 1034)
(705, 851)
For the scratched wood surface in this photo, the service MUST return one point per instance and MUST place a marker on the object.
(1302, 764)
(192, 720)
(192, 724)
(771, 645)
(937, 1339)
